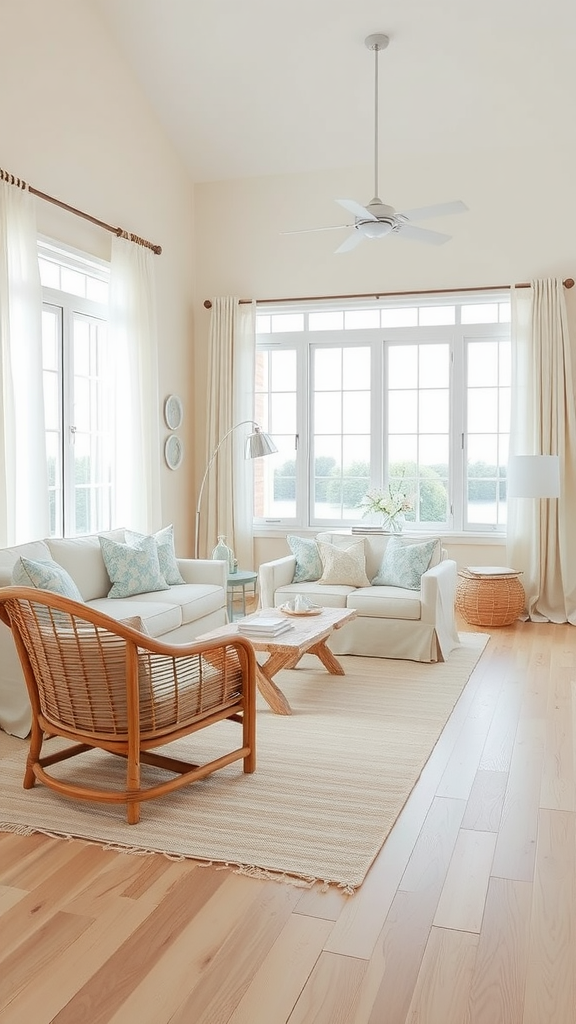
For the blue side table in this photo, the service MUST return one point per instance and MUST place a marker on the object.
(242, 578)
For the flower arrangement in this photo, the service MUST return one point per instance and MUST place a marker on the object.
(391, 505)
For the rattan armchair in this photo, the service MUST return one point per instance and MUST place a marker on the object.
(101, 683)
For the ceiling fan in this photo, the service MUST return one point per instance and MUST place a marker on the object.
(377, 219)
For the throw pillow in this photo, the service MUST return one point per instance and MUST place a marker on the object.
(403, 564)
(343, 566)
(45, 575)
(132, 569)
(308, 563)
(166, 553)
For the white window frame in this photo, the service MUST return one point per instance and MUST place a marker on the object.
(303, 340)
(68, 307)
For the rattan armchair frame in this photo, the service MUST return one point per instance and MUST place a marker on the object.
(102, 684)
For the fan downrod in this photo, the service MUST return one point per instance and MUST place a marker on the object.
(377, 41)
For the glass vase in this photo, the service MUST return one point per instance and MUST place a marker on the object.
(393, 524)
(223, 552)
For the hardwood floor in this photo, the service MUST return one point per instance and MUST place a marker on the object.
(468, 915)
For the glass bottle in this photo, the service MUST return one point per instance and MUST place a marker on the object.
(222, 551)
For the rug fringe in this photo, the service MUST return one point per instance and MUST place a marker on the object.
(250, 870)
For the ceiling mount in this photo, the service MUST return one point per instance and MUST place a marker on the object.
(377, 41)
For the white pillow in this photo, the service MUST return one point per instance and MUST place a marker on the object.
(343, 566)
(132, 569)
(403, 564)
(166, 553)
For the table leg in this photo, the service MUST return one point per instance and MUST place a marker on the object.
(272, 694)
(327, 658)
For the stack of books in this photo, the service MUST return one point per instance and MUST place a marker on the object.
(264, 625)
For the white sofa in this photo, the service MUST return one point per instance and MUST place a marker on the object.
(392, 621)
(177, 615)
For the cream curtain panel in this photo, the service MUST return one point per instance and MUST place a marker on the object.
(133, 336)
(228, 505)
(541, 536)
(24, 509)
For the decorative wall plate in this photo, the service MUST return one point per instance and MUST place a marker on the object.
(173, 451)
(173, 412)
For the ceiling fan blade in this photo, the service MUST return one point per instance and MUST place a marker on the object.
(351, 242)
(359, 211)
(440, 210)
(414, 234)
(330, 227)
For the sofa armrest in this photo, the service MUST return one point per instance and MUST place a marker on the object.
(437, 595)
(272, 575)
(204, 570)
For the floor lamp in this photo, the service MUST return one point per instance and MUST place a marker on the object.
(534, 476)
(258, 443)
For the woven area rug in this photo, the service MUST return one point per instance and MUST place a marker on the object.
(330, 781)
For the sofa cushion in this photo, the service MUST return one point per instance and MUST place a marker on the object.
(158, 617)
(343, 566)
(326, 595)
(194, 600)
(308, 563)
(403, 563)
(133, 569)
(82, 559)
(166, 554)
(386, 603)
(45, 575)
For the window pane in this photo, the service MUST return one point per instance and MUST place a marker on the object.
(434, 411)
(434, 369)
(357, 319)
(73, 282)
(401, 317)
(329, 321)
(283, 370)
(49, 274)
(402, 412)
(327, 368)
(430, 316)
(483, 358)
(403, 366)
(286, 322)
(479, 313)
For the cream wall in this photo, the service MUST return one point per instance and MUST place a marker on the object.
(522, 205)
(75, 126)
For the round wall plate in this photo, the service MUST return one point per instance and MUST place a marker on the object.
(173, 412)
(173, 451)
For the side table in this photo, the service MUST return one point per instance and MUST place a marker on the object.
(489, 595)
(242, 578)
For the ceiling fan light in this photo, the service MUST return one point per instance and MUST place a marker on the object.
(375, 228)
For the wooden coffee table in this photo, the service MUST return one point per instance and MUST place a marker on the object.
(308, 636)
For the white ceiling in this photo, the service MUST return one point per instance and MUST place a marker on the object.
(258, 87)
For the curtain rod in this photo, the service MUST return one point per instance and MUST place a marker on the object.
(568, 283)
(119, 232)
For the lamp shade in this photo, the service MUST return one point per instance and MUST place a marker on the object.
(258, 444)
(534, 476)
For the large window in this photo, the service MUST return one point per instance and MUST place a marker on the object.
(413, 396)
(77, 391)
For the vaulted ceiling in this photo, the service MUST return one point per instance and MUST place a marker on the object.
(258, 87)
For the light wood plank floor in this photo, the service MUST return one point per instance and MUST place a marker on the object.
(468, 915)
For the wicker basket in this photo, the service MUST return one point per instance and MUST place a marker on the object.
(489, 600)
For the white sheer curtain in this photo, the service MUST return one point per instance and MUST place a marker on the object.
(541, 535)
(133, 335)
(24, 509)
(228, 504)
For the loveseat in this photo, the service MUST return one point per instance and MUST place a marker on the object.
(176, 612)
(402, 588)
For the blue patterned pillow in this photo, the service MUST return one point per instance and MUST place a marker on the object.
(133, 569)
(45, 575)
(403, 564)
(308, 561)
(166, 554)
